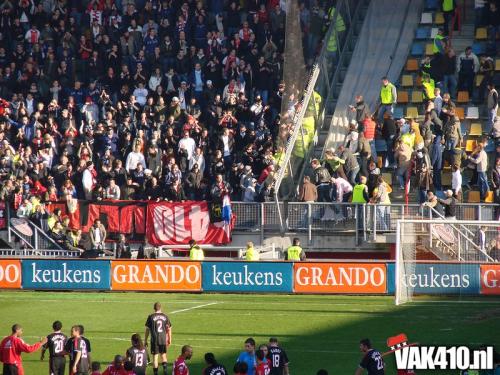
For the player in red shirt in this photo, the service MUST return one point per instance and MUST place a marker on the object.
(180, 366)
(11, 348)
(262, 363)
(116, 368)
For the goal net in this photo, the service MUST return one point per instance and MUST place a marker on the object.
(445, 260)
(406, 256)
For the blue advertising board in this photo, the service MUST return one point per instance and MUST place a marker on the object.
(66, 274)
(247, 277)
(438, 278)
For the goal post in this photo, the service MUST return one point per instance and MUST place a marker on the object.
(443, 259)
(405, 260)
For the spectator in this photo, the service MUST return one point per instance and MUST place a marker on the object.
(250, 193)
(467, 67)
(89, 180)
(450, 205)
(122, 248)
(361, 109)
(364, 152)
(492, 20)
(480, 158)
(97, 234)
(322, 181)
(351, 165)
(308, 191)
(381, 198)
(492, 104)
(456, 182)
(450, 69)
(433, 203)
(403, 156)
(343, 189)
(112, 191)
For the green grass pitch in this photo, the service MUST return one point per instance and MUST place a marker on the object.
(316, 331)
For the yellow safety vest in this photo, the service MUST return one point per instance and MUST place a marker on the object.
(409, 139)
(252, 255)
(357, 193)
(339, 21)
(294, 252)
(302, 143)
(428, 89)
(437, 42)
(386, 94)
(196, 253)
(447, 5)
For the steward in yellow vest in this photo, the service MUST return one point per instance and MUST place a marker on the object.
(195, 252)
(295, 252)
(360, 192)
(252, 255)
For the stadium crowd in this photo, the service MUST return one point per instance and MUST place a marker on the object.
(144, 99)
(417, 152)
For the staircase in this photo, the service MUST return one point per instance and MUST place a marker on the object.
(336, 86)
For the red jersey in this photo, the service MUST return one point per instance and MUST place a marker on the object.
(180, 367)
(112, 370)
(263, 368)
(11, 348)
(406, 372)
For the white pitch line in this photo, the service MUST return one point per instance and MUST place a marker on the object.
(194, 307)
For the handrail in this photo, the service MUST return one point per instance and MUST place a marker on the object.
(38, 233)
(35, 253)
(321, 116)
(467, 238)
(298, 117)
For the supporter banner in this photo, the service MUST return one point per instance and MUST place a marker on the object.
(66, 274)
(156, 275)
(356, 278)
(438, 278)
(177, 223)
(117, 216)
(490, 279)
(3, 215)
(10, 274)
(247, 277)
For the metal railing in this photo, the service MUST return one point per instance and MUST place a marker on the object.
(367, 220)
(38, 253)
(235, 252)
(30, 235)
(312, 106)
(462, 241)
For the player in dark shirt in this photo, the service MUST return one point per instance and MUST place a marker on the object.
(55, 344)
(78, 348)
(213, 367)
(138, 355)
(278, 358)
(372, 360)
(160, 328)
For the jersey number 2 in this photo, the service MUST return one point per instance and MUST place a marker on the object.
(159, 326)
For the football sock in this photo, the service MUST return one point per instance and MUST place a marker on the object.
(155, 371)
(164, 364)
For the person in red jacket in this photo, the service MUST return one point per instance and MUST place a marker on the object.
(11, 348)
(116, 368)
